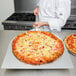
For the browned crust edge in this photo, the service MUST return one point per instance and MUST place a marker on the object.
(32, 60)
(67, 46)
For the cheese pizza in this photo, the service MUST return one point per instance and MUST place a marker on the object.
(37, 47)
(70, 42)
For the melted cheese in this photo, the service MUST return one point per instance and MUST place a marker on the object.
(33, 42)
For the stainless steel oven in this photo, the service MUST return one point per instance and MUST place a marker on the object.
(23, 17)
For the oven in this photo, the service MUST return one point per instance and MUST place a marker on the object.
(19, 21)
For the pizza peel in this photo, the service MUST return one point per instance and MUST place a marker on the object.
(60, 63)
(37, 20)
(10, 62)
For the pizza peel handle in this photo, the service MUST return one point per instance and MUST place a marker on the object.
(37, 28)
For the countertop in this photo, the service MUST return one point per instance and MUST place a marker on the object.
(5, 38)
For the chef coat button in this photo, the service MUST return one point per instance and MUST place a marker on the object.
(61, 14)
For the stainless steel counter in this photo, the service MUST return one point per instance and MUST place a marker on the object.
(5, 38)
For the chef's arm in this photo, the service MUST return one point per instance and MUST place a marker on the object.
(62, 14)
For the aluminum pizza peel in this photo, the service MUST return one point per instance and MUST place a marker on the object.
(10, 61)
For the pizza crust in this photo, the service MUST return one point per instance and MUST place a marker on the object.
(72, 49)
(41, 54)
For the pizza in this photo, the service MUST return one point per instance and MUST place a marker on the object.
(70, 42)
(37, 47)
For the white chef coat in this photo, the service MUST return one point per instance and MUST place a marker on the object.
(55, 12)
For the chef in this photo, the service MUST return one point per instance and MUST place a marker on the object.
(53, 14)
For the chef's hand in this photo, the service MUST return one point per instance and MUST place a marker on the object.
(39, 24)
(36, 11)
